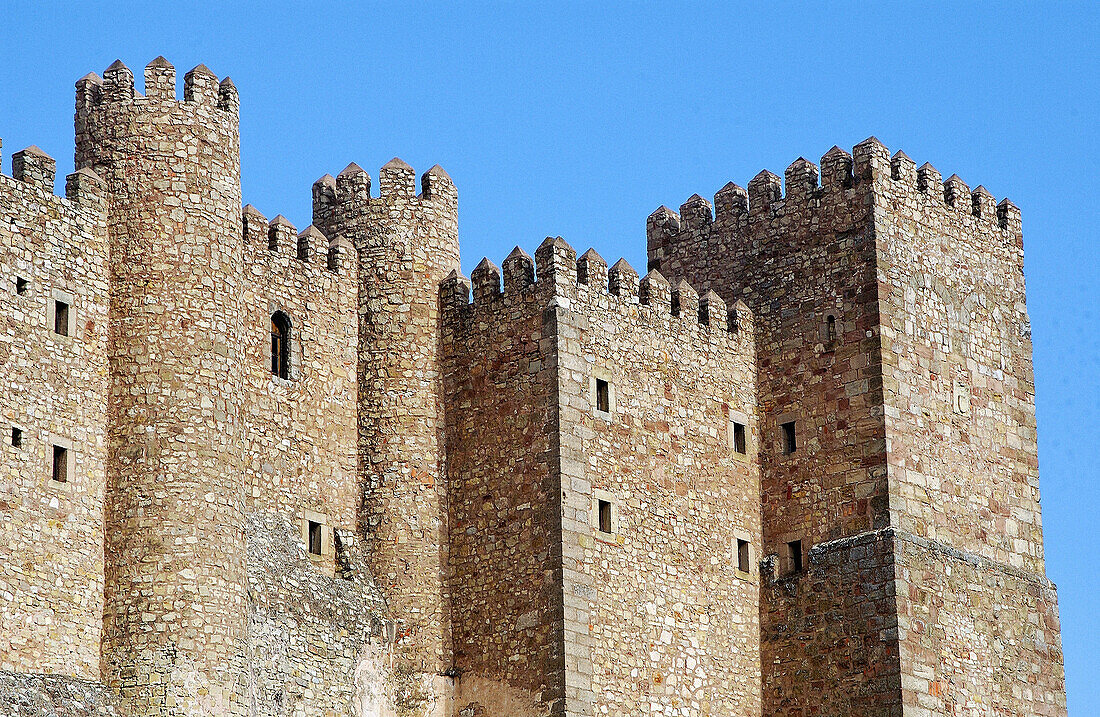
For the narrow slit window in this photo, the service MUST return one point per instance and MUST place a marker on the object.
(794, 556)
(60, 464)
(303, 248)
(314, 537)
(60, 318)
(790, 441)
(280, 345)
(830, 328)
(603, 396)
(739, 444)
(17, 437)
(20, 285)
(603, 509)
(743, 555)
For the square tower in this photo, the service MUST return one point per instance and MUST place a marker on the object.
(899, 469)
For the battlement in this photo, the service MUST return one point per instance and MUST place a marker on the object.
(557, 274)
(351, 188)
(201, 87)
(308, 250)
(34, 173)
(841, 177)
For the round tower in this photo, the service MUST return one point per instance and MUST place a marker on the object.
(175, 615)
(407, 243)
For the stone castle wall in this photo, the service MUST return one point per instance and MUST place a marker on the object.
(640, 614)
(459, 460)
(55, 393)
(300, 432)
(505, 503)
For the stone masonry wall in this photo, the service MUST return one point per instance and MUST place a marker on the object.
(977, 637)
(830, 633)
(300, 434)
(504, 500)
(673, 625)
(957, 365)
(796, 259)
(642, 624)
(175, 617)
(406, 244)
(54, 393)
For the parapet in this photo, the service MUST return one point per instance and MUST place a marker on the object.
(337, 199)
(841, 177)
(34, 169)
(279, 240)
(200, 87)
(557, 276)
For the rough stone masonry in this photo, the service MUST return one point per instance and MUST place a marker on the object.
(251, 470)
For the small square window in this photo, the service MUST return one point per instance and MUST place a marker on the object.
(739, 444)
(743, 555)
(60, 318)
(17, 437)
(60, 464)
(794, 556)
(20, 285)
(603, 396)
(603, 511)
(314, 537)
(790, 442)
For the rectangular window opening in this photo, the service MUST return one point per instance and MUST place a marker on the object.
(314, 537)
(790, 443)
(794, 556)
(743, 555)
(603, 508)
(20, 285)
(603, 396)
(739, 438)
(17, 437)
(60, 318)
(60, 464)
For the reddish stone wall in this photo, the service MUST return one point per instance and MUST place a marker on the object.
(503, 495)
(55, 392)
(976, 637)
(830, 633)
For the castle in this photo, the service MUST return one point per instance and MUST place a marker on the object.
(251, 470)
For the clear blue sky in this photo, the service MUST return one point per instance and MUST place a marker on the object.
(579, 120)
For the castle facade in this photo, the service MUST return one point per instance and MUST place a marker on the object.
(251, 470)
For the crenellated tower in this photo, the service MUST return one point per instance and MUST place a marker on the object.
(175, 615)
(407, 243)
(899, 482)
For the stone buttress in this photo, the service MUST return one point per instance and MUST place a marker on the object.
(175, 616)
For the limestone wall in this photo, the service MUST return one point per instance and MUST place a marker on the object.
(54, 393)
(300, 432)
(957, 365)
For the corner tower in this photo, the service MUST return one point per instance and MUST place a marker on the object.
(174, 617)
(407, 243)
(899, 465)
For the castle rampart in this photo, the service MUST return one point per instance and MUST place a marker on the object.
(252, 469)
(53, 363)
